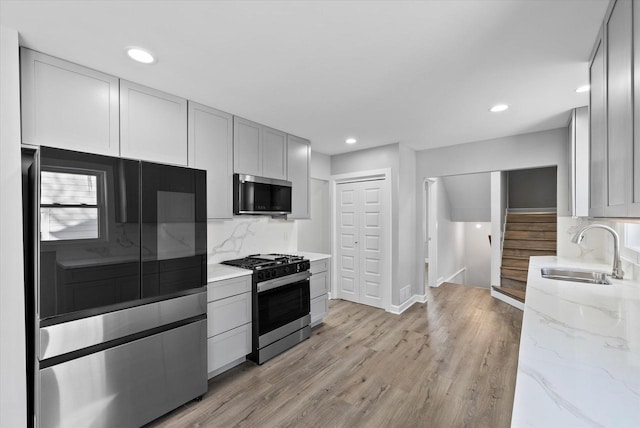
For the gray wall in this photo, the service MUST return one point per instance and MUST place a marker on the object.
(320, 166)
(469, 196)
(13, 395)
(450, 258)
(533, 188)
(408, 236)
(314, 235)
(533, 150)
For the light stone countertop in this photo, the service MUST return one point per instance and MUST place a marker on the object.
(579, 360)
(312, 257)
(219, 272)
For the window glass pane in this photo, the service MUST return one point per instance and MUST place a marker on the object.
(68, 189)
(68, 223)
(632, 236)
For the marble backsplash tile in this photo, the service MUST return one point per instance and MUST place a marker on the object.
(244, 235)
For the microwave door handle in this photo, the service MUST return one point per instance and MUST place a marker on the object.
(279, 282)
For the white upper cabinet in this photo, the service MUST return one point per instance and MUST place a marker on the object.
(579, 129)
(614, 155)
(247, 153)
(68, 106)
(211, 149)
(153, 125)
(634, 179)
(597, 131)
(299, 160)
(259, 150)
(274, 153)
(619, 108)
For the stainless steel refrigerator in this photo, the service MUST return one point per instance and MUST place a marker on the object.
(115, 261)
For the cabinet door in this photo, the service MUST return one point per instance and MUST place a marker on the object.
(211, 149)
(634, 173)
(597, 132)
(299, 151)
(247, 155)
(153, 125)
(619, 108)
(274, 153)
(319, 284)
(68, 106)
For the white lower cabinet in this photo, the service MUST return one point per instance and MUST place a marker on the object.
(319, 285)
(228, 323)
(228, 347)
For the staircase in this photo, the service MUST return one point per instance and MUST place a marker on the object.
(526, 234)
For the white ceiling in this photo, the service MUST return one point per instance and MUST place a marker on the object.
(422, 73)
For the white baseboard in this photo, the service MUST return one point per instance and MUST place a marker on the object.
(508, 300)
(458, 272)
(398, 309)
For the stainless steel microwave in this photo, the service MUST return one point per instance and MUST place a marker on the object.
(261, 195)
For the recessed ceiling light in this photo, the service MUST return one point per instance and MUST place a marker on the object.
(478, 225)
(498, 108)
(140, 55)
(583, 88)
(351, 141)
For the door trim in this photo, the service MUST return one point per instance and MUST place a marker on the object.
(383, 174)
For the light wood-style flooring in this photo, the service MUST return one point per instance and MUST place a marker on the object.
(450, 362)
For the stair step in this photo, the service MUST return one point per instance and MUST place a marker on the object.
(519, 295)
(531, 218)
(513, 283)
(531, 235)
(526, 252)
(512, 262)
(514, 273)
(530, 244)
(551, 227)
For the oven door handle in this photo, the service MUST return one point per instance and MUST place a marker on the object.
(279, 282)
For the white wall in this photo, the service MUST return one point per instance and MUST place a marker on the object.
(499, 192)
(450, 237)
(470, 196)
(477, 254)
(314, 234)
(370, 159)
(13, 393)
(536, 149)
(320, 166)
(408, 231)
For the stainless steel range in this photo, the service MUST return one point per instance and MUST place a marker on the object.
(280, 302)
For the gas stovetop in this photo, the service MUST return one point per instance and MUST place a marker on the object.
(263, 261)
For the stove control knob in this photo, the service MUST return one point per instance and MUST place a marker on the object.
(287, 269)
(260, 275)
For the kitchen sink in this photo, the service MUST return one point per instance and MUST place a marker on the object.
(578, 275)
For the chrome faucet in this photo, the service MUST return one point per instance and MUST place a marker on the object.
(617, 273)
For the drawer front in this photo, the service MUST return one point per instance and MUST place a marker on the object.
(226, 314)
(319, 284)
(319, 308)
(319, 266)
(228, 287)
(227, 347)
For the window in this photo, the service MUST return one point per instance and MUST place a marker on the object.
(71, 202)
(632, 237)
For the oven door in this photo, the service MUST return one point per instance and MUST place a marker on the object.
(283, 306)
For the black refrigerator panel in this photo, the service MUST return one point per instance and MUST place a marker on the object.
(173, 230)
(89, 233)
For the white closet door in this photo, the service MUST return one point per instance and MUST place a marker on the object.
(347, 225)
(371, 242)
(361, 242)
